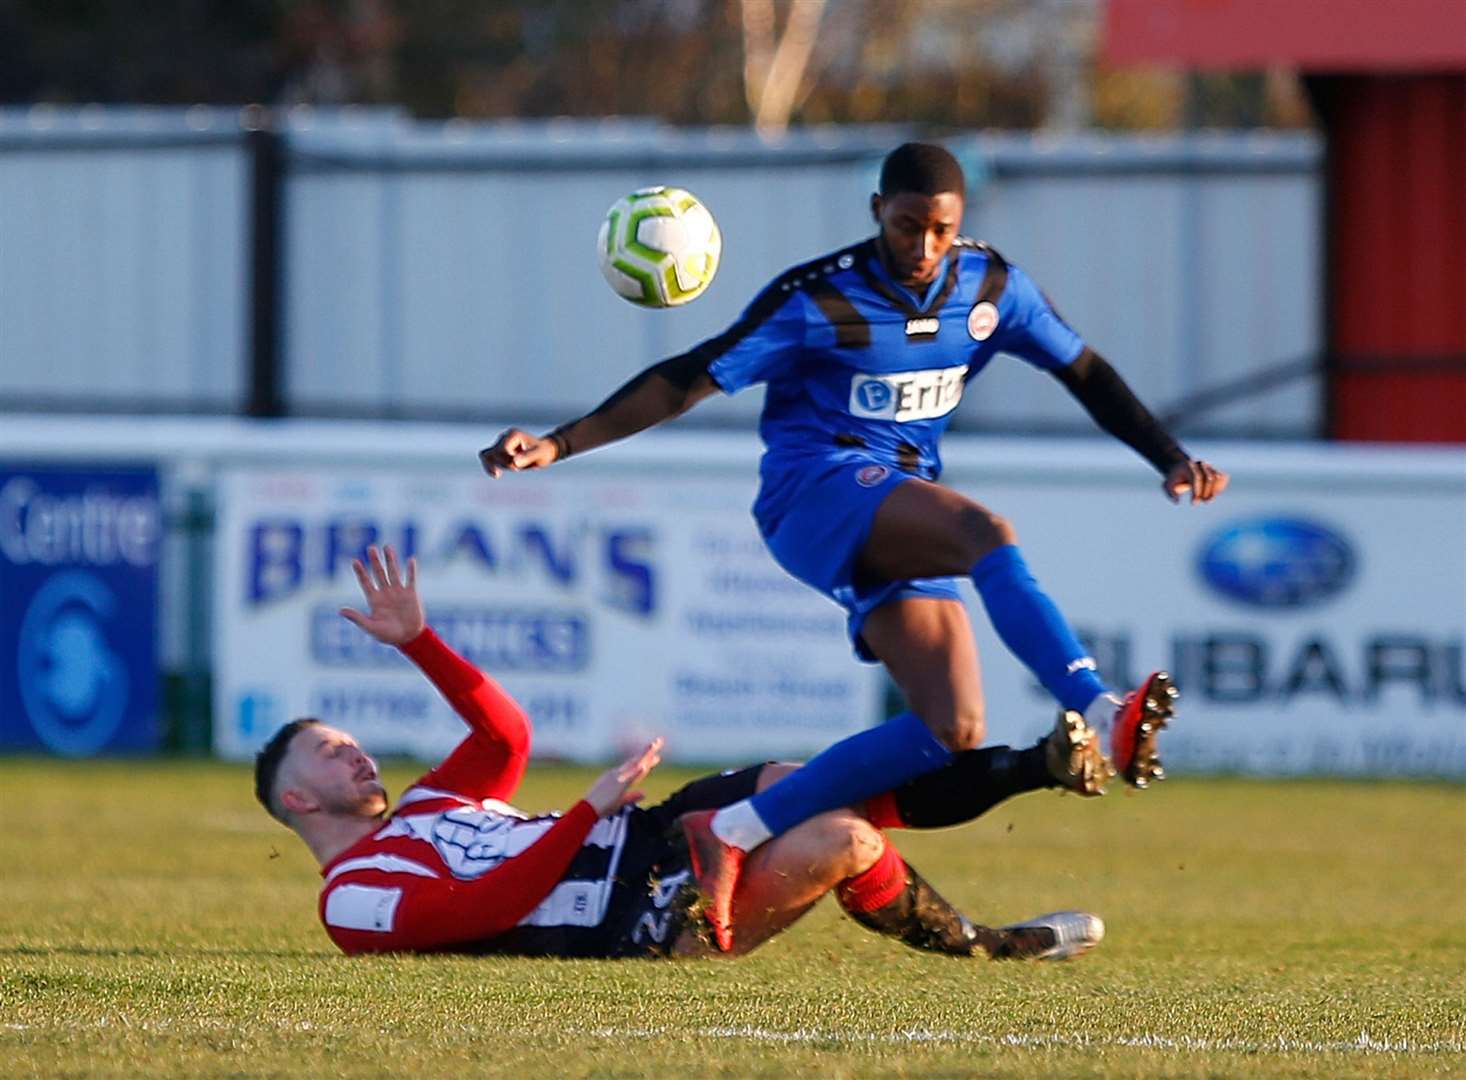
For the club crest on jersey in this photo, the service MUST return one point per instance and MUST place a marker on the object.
(473, 842)
(871, 475)
(982, 320)
(907, 395)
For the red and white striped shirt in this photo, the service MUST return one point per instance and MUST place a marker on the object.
(455, 864)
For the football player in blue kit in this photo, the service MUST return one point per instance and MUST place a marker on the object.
(865, 353)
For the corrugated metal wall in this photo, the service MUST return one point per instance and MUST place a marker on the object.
(122, 268)
(458, 275)
(1190, 262)
(1397, 237)
(449, 269)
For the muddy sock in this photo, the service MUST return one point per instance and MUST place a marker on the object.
(893, 899)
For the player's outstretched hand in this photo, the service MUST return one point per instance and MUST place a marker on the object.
(516, 450)
(617, 786)
(394, 610)
(1205, 482)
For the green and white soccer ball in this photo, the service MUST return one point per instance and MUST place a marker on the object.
(659, 247)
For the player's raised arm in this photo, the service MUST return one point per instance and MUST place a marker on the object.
(1036, 332)
(616, 787)
(1115, 408)
(394, 614)
(767, 335)
(659, 393)
(491, 762)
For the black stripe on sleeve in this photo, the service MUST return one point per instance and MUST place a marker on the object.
(901, 303)
(852, 329)
(764, 305)
(805, 277)
(994, 278)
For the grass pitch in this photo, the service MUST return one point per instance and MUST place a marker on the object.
(154, 921)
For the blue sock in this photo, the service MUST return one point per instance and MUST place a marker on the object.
(1032, 627)
(865, 764)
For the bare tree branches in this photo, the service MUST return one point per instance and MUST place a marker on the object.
(773, 74)
(933, 63)
(758, 49)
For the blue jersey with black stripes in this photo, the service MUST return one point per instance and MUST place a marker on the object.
(854, 360)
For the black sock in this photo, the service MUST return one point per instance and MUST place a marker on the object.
(918, 916)
(970, 785)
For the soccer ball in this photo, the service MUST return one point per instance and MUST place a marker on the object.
(659, 247)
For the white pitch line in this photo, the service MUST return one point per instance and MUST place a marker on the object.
(1364, 1044)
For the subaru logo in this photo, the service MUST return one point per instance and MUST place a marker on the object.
(1277, 562)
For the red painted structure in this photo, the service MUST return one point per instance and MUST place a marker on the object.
(1389, 82)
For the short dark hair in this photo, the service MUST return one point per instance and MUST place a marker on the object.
(925, 168)
(267, 762)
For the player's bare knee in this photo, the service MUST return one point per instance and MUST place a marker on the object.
(984, 531)
(867, 843)
(1003, 531)
(962, 729)
(857, 843)
(841, 844)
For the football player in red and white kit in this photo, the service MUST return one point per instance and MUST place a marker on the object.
(457, 868)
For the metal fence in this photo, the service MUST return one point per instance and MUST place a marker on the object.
(123, 271)
(362, 264)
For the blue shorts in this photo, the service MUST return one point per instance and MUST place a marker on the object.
(815, 514)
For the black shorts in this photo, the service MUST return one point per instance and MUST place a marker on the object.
(654, 888)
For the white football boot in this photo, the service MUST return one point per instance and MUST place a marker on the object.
(1060, 935)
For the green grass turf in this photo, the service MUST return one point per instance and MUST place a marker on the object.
(153, 921)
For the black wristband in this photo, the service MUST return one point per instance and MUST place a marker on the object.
(562, 444)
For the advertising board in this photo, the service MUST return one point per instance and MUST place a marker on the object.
(79, 550)
(1313, 616)
(613, 609)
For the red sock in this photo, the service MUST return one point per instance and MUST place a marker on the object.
(882, 812)
(877, 886)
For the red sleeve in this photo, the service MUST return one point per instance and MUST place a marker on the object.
(387, 912)
(490, 763)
